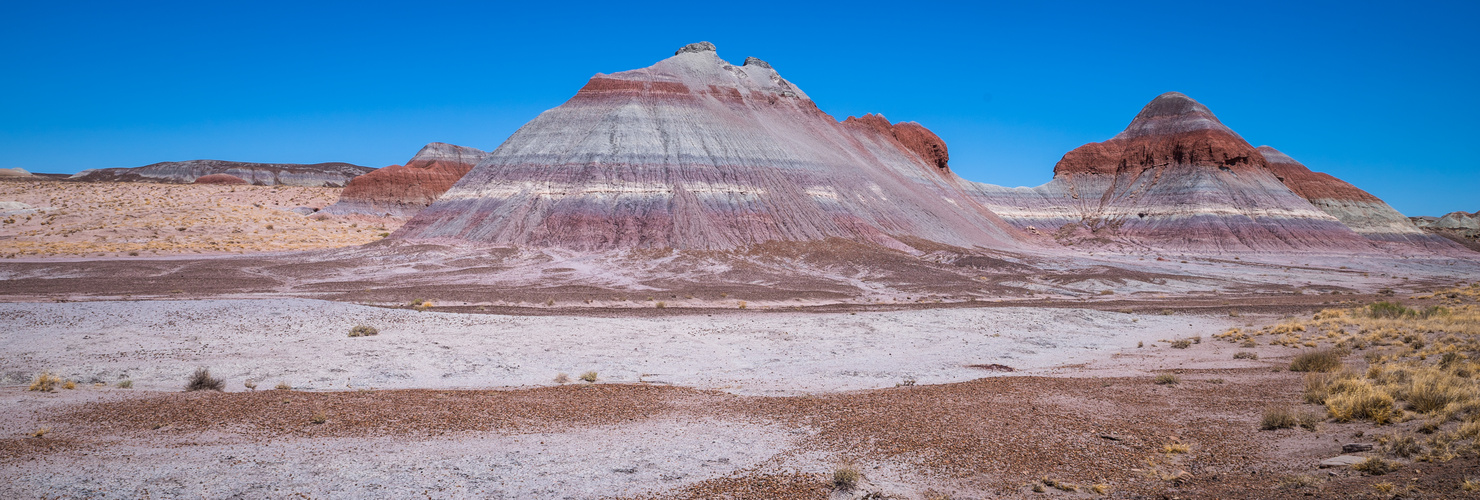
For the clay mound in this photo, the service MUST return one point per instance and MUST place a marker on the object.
(14, 173)
(1175, 179)
(1459, 227)
(220, 179)
(262, 174)
(696, 153)
(403, 191)
(1357, 209)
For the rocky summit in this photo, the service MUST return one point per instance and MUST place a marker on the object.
(1175, 179)
(403, 190)
(262, 174)
(697, 153)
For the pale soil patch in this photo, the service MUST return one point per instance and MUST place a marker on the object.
(124, 218)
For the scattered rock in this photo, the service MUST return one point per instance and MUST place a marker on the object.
(697, 47)
(1355, 447)
(1342, 461)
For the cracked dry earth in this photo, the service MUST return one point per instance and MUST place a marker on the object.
(986, 438)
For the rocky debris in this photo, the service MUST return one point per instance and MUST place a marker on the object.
(15, 208)
(403, 190)
(1355, 448)
(1175, 179)
(1357, 209)
(262, 174)
(1342, 461)
(696, 47)
(697, 153)
(220, 179)
(754, 61)
(9, 173)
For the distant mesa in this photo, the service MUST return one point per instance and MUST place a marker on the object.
(1459, 227)
(14, 173)
(262, 174)
(696, 153)
(402, 191)
(220, 179)
(1176, 179)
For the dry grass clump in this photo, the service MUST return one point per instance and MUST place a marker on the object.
(1375, 466)
(562, 378)
(1319, 360)
(45, 382)
(1278, 418)
(363, 331)
(1060, 485)
(1245, 355)
(202, 380)
(282, 385)
(319, 417)
(589, 376)
(1181, 343)
(40, 433)
(125, 384)
(1167, 379)
(846, 477)
(1299, 482)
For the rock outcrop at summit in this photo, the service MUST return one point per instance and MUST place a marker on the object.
(403, 190)
(1357, 209)
(1175, 179)
(695, 153)
(262, 174)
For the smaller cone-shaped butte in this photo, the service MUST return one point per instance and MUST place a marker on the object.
(697, 153)
(1175, 179)
(403, 190)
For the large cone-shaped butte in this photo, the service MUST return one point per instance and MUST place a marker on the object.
(403, 190)
(1175, 179)
(696, 153)
(1357, 209)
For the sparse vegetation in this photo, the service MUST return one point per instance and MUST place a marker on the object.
(561, 378)
(40, 433)
(283, 386)
(1167, 379)
(1245, 355)
(589, 376)
(846, 477)
(1278, 418)
(45, 382)
(202, 380)
(1060, 485)
(1318, 360)
(1175, 448)
(1299, 481)
(69, 385)
(1375, 466)
(363, 331)
(249, 384)
(319, 417)
(1181, 344)
(125, 384)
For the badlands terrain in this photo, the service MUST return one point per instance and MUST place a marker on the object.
(690, 282)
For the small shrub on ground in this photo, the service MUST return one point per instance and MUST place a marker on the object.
(363, 331)
(589, 376)
(1311, 421)
(1245, 355)
(1175, 448)
(1402, 445)
(1278, 418)
(125, 384)
(282, 385)
(202, 380)
(1318, 360)
(319, 418)
(1375, 466)
(1100, 489)
(1469, 484)
(40, 433)
(1167, 379)
(69, 385)
(250, 385)
(1060, 485)
(561, 378)
(1181, 344)
(45, 382)
(846, 476)
(1300, 481)
(1390, 310)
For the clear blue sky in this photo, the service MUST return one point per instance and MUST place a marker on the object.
(1382, 95)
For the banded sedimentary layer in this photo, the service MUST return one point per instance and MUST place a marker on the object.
(403, 190)
(1175, 179)
(697, 153)
(262, 174)
(1359, 210)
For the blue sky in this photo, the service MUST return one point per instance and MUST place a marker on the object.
(1381, 95)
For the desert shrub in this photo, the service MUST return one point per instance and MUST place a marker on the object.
(363, 331)
(1311, 420)
(1375, 466)
(1358, 399)
(202, 380)
(846, 476)
(1432, 390)
(282, 385)
(1469, 484)
(1167, 379)
(1317, 360)
(1390, 310)
(69, 385)
(1245, 355)
(660, 305)
(1434, 311)
(319, 418)
(1060, 485)
(125, 384)
(1402, 445)
(1177, 448)
(1100, 489)
(1300, 481)
(1278, 418)
(45, 382)
(40, 433)
(589, 376)
(1181, 344)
